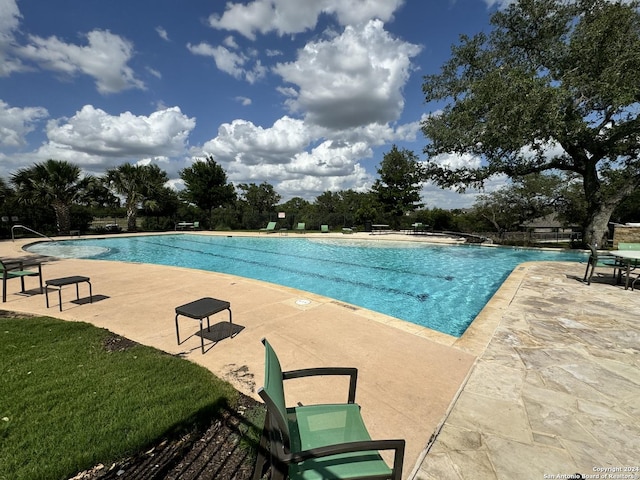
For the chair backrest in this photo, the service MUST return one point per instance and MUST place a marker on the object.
(324, 228)
(301, 226)
(271, 225)
(273, 392)
(628, 246)
(196, 224)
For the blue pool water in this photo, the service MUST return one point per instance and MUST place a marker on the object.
(440, 287)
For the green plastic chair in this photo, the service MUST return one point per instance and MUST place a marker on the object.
(316, 442)
(301, 227)
(597, 260)
(16, 270)
(324, 228)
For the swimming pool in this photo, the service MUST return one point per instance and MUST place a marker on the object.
(440, 287)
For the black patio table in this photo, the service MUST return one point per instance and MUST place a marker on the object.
(203, 308)
(61, 282)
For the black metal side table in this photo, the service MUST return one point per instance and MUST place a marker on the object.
(61, 282)
(203, 308)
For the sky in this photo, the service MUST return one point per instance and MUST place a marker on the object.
(307, 95)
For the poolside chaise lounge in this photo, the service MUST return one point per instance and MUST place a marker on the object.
(16, 269)
(319, 440)
(270, 228)
(324, 228)
(301, 227)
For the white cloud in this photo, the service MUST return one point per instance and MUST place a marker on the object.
(290, 156)
(434, 196)
(242, 141)
(162, 33)
(230, 42)
(244, 101)
(94, 138)
(287, 17)
(500, 3)
(9, 18)
(352, 79)
(235, 64)
(154, 72)
(9, 23)
(104, 57)
(16, 123)
(454, 161)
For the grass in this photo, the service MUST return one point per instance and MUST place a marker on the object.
(67, 403)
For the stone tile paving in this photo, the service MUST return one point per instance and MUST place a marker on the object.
(557, 390)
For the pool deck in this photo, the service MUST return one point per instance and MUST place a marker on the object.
(544, 382)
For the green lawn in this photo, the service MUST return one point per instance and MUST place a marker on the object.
(66, 403)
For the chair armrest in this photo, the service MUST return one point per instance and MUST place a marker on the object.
(362, 446)
(340, 371)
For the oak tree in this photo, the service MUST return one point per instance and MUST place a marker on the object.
(552, 87)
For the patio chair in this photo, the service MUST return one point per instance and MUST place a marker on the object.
(324, 228)
(270, 228)
(318, 441)
(597, 260)
(15, 269)
(301, 227)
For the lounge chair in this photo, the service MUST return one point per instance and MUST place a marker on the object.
(270, 228)
(324, 228)
(15, 269)
(301, 227)
(419, 228)
(321, 440)
(597, 260)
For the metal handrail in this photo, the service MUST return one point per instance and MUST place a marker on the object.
(30, 229)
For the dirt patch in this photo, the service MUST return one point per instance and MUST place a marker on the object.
(115, 343)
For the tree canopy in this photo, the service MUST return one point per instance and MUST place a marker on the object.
(552, 87)
(398, 188)
(140, 185)
(53, 182)
(206, 185)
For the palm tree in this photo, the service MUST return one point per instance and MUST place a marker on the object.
(54, 182)
(138, 184)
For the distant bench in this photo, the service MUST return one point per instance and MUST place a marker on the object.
(380, 228)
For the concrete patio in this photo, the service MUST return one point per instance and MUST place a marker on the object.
(544, 382)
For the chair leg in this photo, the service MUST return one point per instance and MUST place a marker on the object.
(40, 277)
(261, 459)
(593, 267)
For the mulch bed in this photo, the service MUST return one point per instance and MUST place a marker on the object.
(214, 453)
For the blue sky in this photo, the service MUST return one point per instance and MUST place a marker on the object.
(307, 95)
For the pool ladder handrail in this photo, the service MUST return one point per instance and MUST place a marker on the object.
(29, 229)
